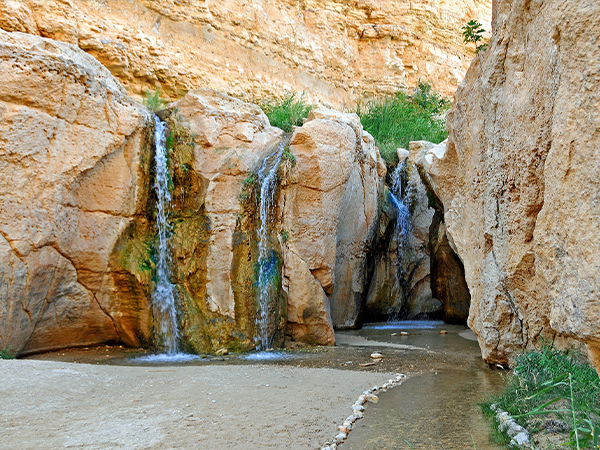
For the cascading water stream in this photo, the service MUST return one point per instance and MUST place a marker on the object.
(400, 193)
(268, 263)
(399, 200)
(163, 297)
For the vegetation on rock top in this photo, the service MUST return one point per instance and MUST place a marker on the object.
(286, 112)
(397, 119)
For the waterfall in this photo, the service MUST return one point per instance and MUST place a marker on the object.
(163, 297)
(400, 195)
(268, 261)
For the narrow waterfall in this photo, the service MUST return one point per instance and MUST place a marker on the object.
(400, 196)
(269, 269)
(163, 297)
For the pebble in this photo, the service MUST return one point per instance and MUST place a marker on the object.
(376, 355)
(357, 407)
(443, 332)
(341, 436)
(373, 398)
(221, 352)
(394, 334)
(403, 333)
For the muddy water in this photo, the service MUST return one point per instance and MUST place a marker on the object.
(435, 408)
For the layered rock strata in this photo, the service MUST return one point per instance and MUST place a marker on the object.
(519, 175)
(332, 50)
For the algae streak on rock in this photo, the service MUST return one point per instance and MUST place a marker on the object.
(334, 51)
(519, 178)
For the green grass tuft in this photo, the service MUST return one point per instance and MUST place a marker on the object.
(287, 111)
(7, 353)
(153, 100)
(397, 119)
(549, 383)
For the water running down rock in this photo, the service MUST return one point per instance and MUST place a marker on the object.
(400, 193)
(163, 297)
(269, 263)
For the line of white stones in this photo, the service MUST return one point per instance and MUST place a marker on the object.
(519, 435)
(358, 410)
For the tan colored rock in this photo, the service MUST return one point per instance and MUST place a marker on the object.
(70, 184)
(330, 210)
(223, 156)
(519, 176)
(334, 51)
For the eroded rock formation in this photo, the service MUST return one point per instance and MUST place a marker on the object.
(519, 178)
(331, 214)
(400, 285)
(70, 142)
(332, 50)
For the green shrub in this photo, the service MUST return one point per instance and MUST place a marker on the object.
(153, 101)
(397, 119)
(472, 33)
(287, 111)
(7, 353)
(552, 384)
(288, 155)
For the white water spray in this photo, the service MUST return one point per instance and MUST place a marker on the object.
(268, 262)
(163, 297)
(400, 195)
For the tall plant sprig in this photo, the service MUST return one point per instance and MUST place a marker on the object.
(473, 33)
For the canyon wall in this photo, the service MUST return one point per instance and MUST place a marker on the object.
(333, 50)
(519, 178)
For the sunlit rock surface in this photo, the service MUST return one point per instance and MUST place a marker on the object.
(70, 177)
(519, 178)
(330, 210)
(332, 50)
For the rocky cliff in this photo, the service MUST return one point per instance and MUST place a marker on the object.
(77, 211)
(333, 50)
(519, 178)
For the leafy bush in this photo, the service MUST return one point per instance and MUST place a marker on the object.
(397, 119)
(472, 33)
(552, 384)
(6, 353)
(153, 101)
(286, 112)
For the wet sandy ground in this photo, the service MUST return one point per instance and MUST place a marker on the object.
(108, 398)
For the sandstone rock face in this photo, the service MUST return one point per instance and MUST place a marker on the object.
(519, 178)
(70, 183)
(334, 51)
(330, 210)
(231, 137)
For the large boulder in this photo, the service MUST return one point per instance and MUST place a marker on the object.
(71, 181)
(330, 210)
(519, 175)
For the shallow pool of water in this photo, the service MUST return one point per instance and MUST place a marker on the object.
(435, 409)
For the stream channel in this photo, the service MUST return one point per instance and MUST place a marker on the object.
(434, 408)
